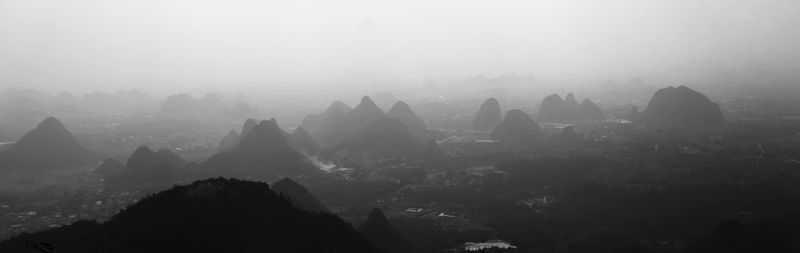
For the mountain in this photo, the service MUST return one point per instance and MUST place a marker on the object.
(263, 153)
(351, 123)
(228, 141)
(48, 146)
(589, 111)
(488, 116)
(298, 195)
(248, 126)
(313, 123)
(518, 126)
(385, 138)
(145, 166)
(379, 231)
(402, 112)
(681, 105)
(212, 215)
(302, 141)
(552, 109)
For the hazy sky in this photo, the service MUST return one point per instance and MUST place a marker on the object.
(179, 44)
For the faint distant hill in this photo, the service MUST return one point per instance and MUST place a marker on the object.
(298, 195)
(48, 146)
(263, 152)
(313, 123)
(681, 105)
(517, 126)
(185, 106)
(350, 123)
(228, 141)
(147, 167)
(381, 233)
(554, 109)
(212, 215)
(384, 138)
(402, 112)
(489, 115)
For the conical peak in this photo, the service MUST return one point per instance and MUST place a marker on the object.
(376, 216)
(366, 100)
(248, 126)
(142, 150)
(51, 123)
(491, 102)
(400, 106)
(514, 114)
(286, 182)
(338, 105)
(587, 102)
(553, 97)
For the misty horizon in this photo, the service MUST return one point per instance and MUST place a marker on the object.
(182, 46)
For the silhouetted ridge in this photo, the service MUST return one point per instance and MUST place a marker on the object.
(551, 109)
(298, 195)
(488, 116)
(351, 123)
(229, 141)
(50, 145)
(590, 111)
(145, 166)
(402, 112)
(263, 153)
(302, 141)
(517, 126)
(314, 123)
(680, 105)
(380, 232)
(213, 215)
(248, 126)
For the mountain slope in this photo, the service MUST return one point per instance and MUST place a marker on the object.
(50, 145)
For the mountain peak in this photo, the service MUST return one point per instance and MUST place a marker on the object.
(367, 101)
(49, 145)
(489, 115)
(517, 126)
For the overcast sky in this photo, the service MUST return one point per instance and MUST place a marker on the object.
(83, 45)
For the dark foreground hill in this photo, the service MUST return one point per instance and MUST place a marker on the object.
(298, 195)
(50, 145)
(213, 215)
(380, 232)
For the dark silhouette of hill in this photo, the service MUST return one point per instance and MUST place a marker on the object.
(384, 138)
(263, 153)
(212, 215)
(551, 109)
(145, 167)
(351, 123)
(681, 105)
(109, 166)
(517, 126)
(313, 123)
(488, 116)
(298, 195)
(302, 141)
(228, 141)
(380, 232)
(589, 111)
(248, 126)
(402, 112)
(554, 109)
(48, 146)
